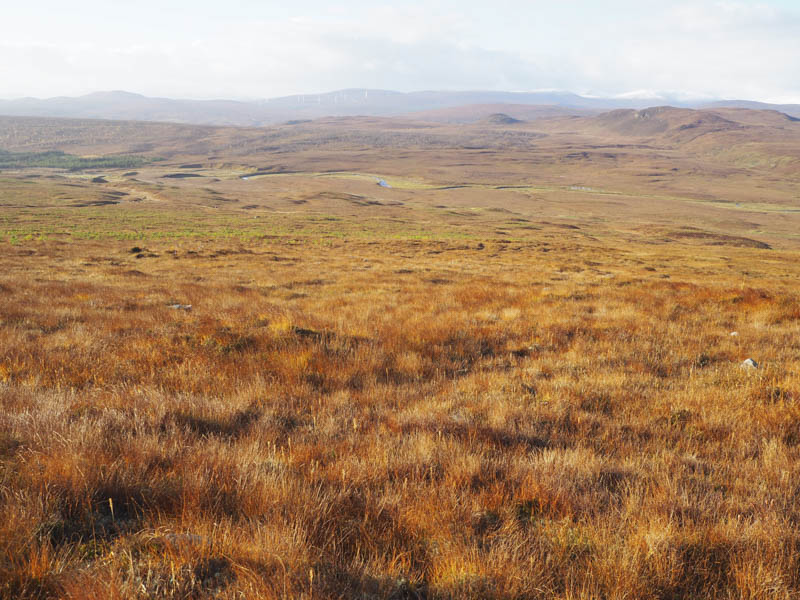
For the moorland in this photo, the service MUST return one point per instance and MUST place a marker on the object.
(394, 358)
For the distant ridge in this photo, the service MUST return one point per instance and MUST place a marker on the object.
(120, 105)
(443, 106)
(472, 113)
(793, 110)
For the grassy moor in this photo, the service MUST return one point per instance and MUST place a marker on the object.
(395, 358)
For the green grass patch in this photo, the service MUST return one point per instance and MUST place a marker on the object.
(55, 159)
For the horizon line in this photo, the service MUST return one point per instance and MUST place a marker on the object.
(631, 96)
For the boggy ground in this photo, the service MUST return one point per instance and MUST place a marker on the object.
(367, 418)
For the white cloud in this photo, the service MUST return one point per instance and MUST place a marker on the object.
(730, 16)
(715, 48)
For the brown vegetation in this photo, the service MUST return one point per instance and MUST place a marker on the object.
(444, 393)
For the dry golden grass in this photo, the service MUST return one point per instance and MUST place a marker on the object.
(392, 401)
(405, 419)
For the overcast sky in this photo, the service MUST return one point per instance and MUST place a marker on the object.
(259, 49)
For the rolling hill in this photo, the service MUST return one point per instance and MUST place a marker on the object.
(792, 110)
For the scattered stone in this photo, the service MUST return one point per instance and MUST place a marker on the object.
(749, 364)
(734, 334)
(180, 306)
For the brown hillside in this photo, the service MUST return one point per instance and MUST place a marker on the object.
(665, 120)
(476, 112)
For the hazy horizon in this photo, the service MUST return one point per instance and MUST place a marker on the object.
(711, 49)
(678, 97)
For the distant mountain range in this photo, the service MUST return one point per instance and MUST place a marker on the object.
(444, 106)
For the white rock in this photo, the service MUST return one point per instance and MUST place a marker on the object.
(734, 333)
(180, 306)
(749, 364)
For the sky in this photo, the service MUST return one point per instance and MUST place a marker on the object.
(249, 49)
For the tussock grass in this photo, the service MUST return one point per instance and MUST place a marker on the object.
(449, 422)
(511, 375)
